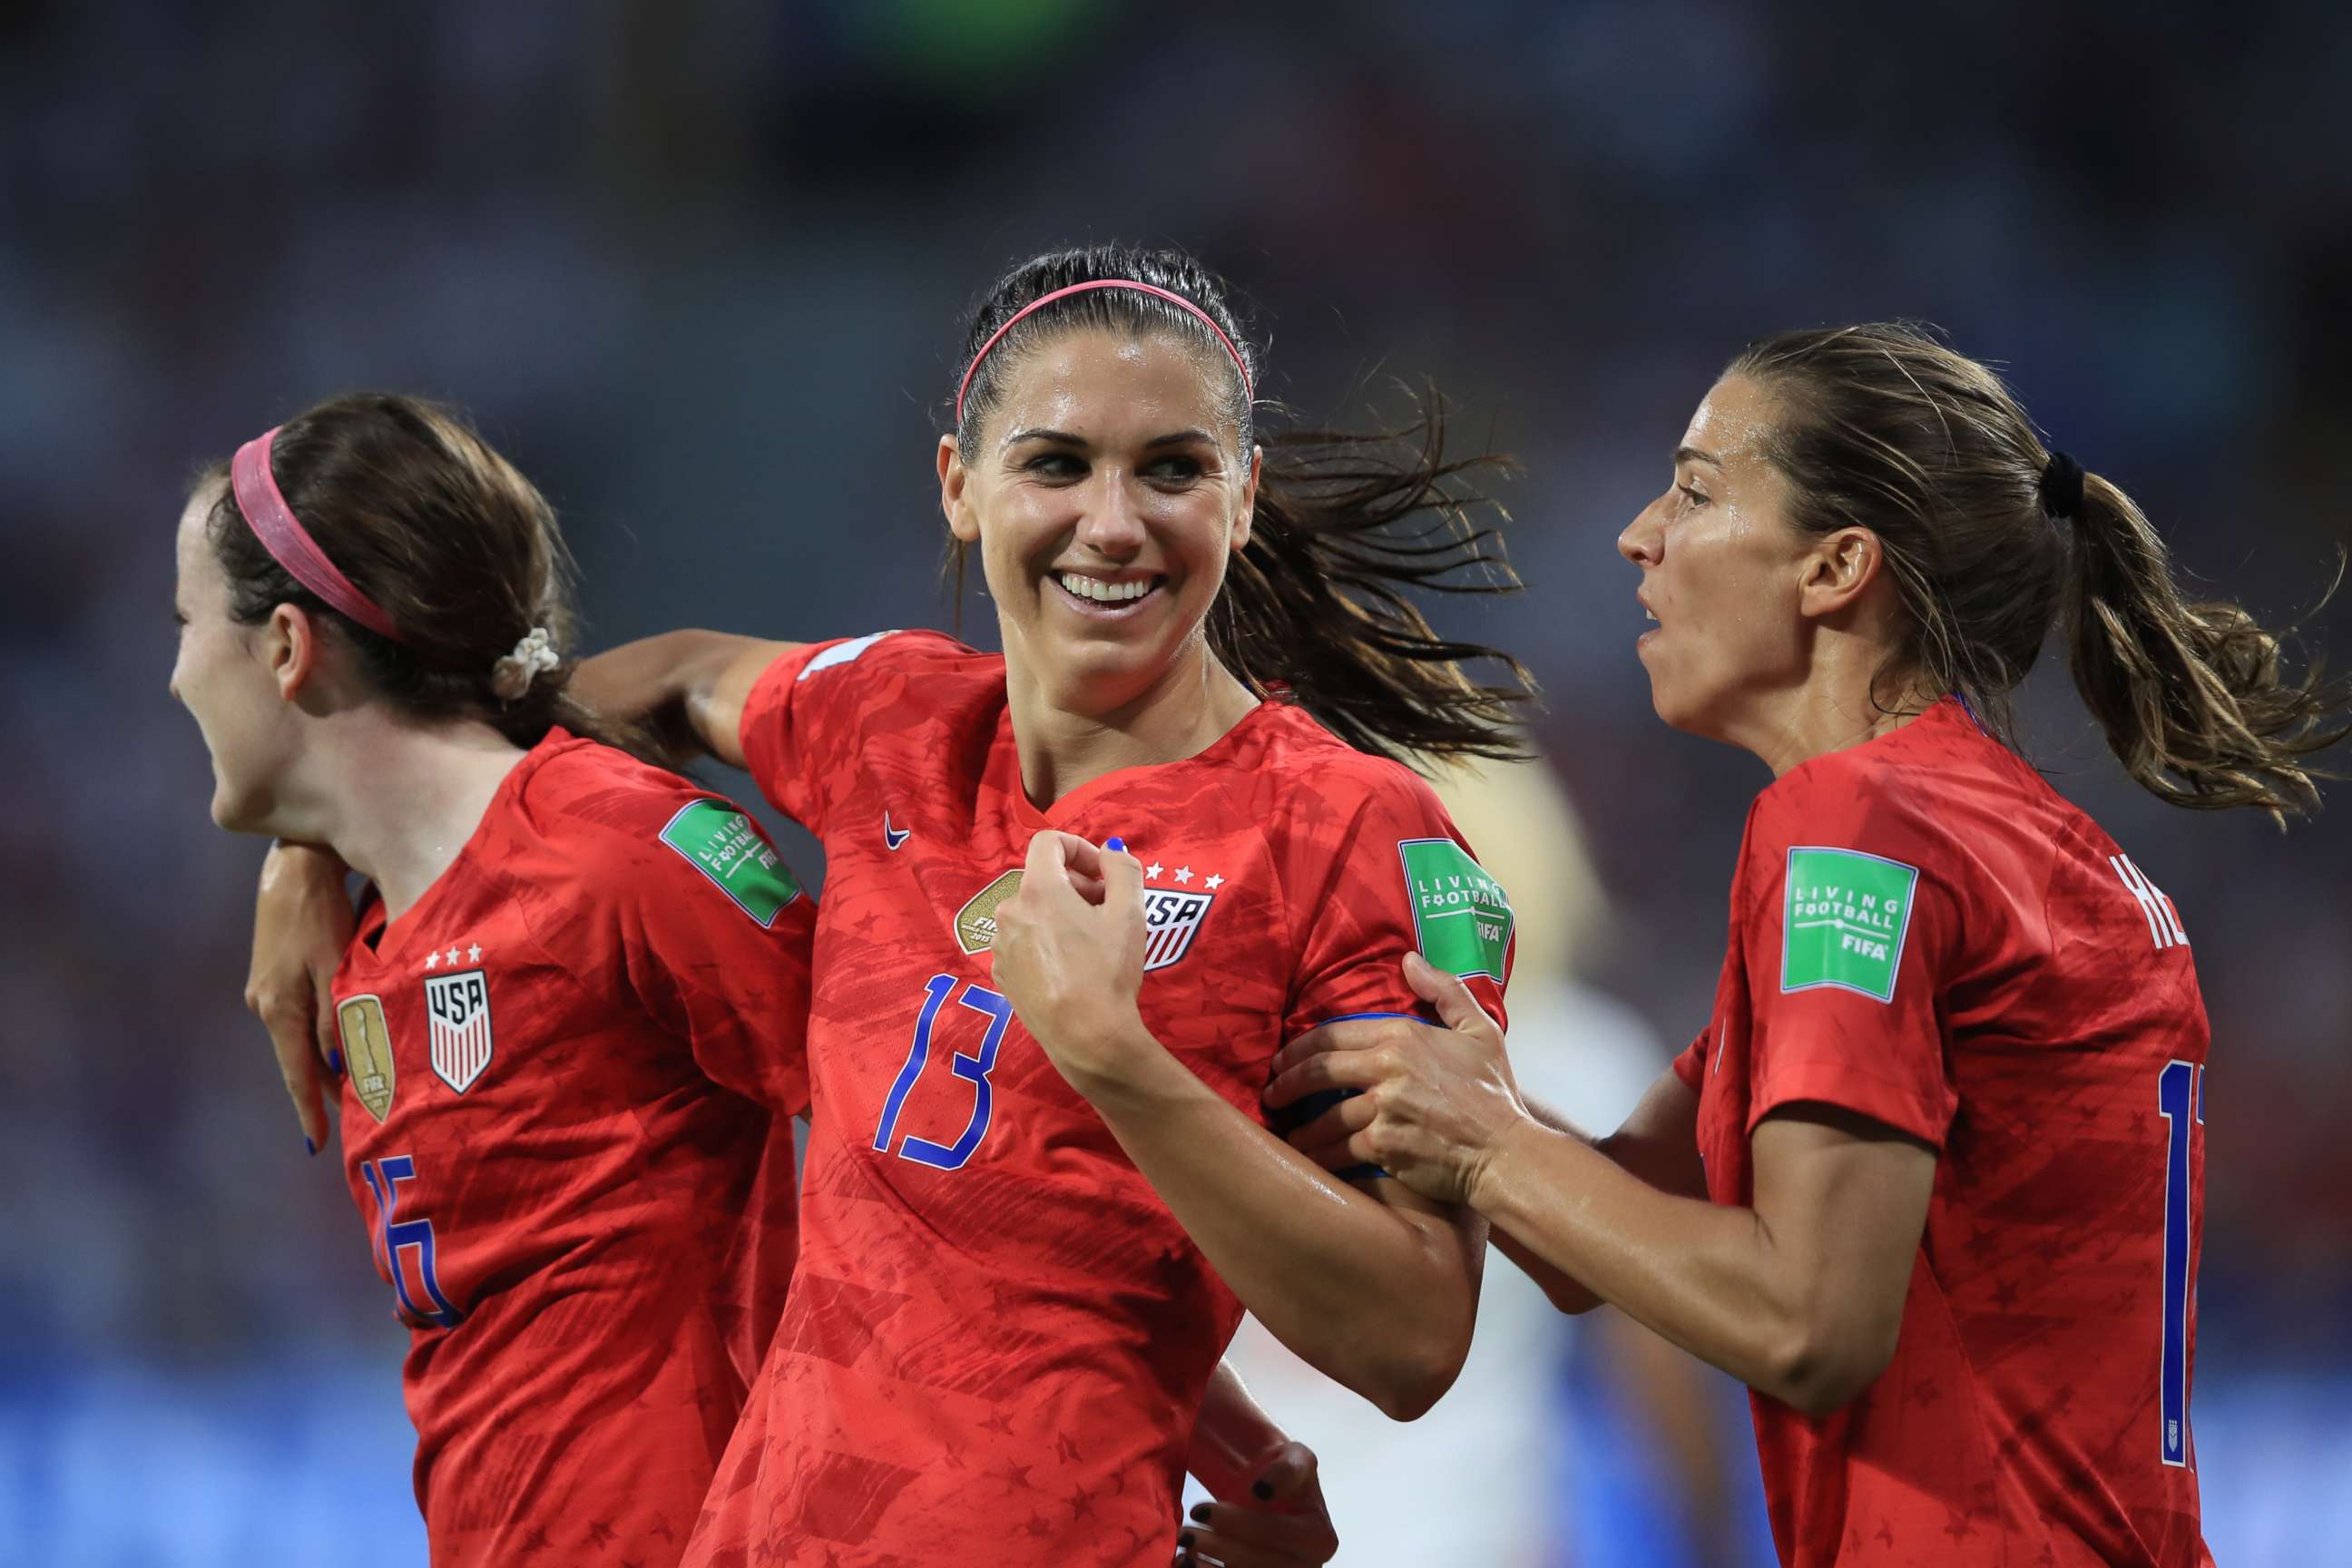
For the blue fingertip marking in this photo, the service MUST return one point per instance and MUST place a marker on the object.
(335, 1061)
(1115, 844)
(308, 1146)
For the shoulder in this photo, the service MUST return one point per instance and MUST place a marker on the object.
(850, 663)
(603, 827)
(1301, 778)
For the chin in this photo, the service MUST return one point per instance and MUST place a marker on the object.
(237, 812)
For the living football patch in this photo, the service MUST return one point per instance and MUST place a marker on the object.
(1844, 921)
(725, 846)
(1461, 916)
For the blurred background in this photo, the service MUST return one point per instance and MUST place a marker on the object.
(700, 268)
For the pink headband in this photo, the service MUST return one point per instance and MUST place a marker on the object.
(273, 523)
(1044, 299)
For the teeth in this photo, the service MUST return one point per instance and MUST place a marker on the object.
(1651, 614)
(1100, 592)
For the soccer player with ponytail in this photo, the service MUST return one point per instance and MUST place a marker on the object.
(1931, 1180)
(569, 1020)
(1077, 897)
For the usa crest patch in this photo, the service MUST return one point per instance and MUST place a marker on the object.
(1170, 921)
(458, 1009)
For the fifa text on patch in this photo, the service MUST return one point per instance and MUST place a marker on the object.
(726, 846)
(1844, 920)
(1461, 916)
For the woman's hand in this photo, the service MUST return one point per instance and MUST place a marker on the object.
(1069, 955)
(1433, 1104)
(1285, 1524)
(302, 920)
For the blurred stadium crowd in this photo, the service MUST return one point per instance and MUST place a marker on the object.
(699, 266)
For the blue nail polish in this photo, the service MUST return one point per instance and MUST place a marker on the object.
(1115, 844)
(335, 1062)
(313, 1148)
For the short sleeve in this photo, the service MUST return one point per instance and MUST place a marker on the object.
(1690, 1066)
(802, 723)
(1372, 883)
(1849, 932)
(715, 937)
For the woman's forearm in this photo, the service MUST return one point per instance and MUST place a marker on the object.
(669, 683)
(1379, 1299)
(1708, 1278)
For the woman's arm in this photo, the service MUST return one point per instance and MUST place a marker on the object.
(1377, 1291)
(1270, 1507)
(1798, 1296)
(689, 686)
(1658, 1142)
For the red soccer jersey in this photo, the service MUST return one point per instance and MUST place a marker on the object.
(998, 1335)
(589, 1237)
(1923, 932)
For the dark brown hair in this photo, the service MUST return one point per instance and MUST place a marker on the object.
(461, 552)
(1884, 427)
(1346, 524)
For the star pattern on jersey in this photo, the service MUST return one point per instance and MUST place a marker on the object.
(1151, 872)
(474, 954)
(1184, 873)
(453, 957)
(432, 960)
(1214, 883)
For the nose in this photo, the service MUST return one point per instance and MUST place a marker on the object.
(1112, 526)
(1644, 538)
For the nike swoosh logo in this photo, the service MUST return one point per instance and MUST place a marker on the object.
(891, 839)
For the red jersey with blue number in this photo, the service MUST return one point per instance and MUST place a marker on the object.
(998, 1335)
(1923, 932)
(571, 1070)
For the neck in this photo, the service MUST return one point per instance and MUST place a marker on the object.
(1842, 701)
(396, 800)
(1065, 743)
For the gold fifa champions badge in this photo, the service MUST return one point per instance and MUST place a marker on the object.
(975, 923)
(367, 1052)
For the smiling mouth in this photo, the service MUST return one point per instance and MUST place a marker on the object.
(1106, 596)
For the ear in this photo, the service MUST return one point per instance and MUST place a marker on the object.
(1838, 571)
(1242, 519)
(955, 500)
(290, 647)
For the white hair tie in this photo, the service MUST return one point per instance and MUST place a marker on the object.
(512, 676)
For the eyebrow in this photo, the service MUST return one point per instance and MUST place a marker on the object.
(1693, 454)
(1063, 438)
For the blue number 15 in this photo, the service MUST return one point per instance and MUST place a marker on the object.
(972, 1068)
(2181, 1101)
(384, 1179)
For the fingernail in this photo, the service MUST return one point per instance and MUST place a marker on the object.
(1115, 844)
(1200, 1513)
(335, 1061)
(309, 1145)
(1263, 1491)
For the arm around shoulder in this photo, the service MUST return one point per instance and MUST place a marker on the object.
(691, 686)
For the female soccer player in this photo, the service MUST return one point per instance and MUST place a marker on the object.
(1024, 1240)
(1931, 1180)
(571, 1016)
(566, 961)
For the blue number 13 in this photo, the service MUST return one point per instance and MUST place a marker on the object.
(972, 1068)
(2180, 1100)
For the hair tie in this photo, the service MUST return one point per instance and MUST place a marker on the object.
(512, 676)
(264, 509)
(1248, 392)
(2061, 487)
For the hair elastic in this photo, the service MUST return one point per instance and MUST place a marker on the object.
(288, 543)
(2061, 487)
(1044, 299)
